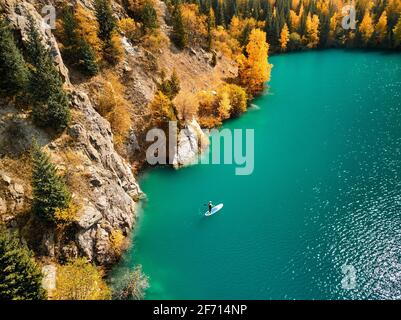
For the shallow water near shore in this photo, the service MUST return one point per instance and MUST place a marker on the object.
(319, 218)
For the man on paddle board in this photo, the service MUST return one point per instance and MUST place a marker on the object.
(210, 206)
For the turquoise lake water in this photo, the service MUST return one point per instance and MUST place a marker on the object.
(319, 218)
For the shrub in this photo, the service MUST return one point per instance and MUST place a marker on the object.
(80, 280)
(131, 285)
(115, 108)
(238, 99)
(117, 242)
(170, 87)
(67, 215)
(155, 40)
(187, 106)
(130, 29)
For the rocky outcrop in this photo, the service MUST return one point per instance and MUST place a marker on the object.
(12, 195)
(110, 201)
(192, 141)
(107, 193)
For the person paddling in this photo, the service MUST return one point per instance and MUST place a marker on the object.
(210, 206)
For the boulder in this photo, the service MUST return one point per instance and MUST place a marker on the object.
(190, 141)
(89, 217)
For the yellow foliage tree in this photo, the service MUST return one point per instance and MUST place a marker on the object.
(224, 105)
(238, 99)
(115, 108)
(130, 29)
(284, 37)
(117, 242)
(80, 280)
(161, 109)
(333, 27)
(366, 27)
(254, 70)
(187, 106)
(235, 27)
(381, 28)
(226, 44)
(295, 20)
(88, 29)
(312, 31)
(194, 23)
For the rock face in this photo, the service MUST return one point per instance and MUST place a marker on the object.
(109, 202)
(108, 189)
(12, 195)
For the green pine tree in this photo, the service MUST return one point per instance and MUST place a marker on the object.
(149, 16)
(180, 36)
(50, 102)
(87, 61)
(14, 73)
(20, 276)
(49, 190)
(175, 84)
(105, 18)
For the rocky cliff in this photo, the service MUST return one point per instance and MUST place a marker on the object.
(101, 179)
(107, 193)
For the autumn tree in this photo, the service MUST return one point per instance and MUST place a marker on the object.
(333, 28)
(162, 109)
(255, 69)
(210, 21)
(87, 29)
(295, 21)
(312, 31)
(238, 99)
(284, 37)
(366, 28)
(13, 70)
(381, 28)
(20, 276)
(115, 108)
